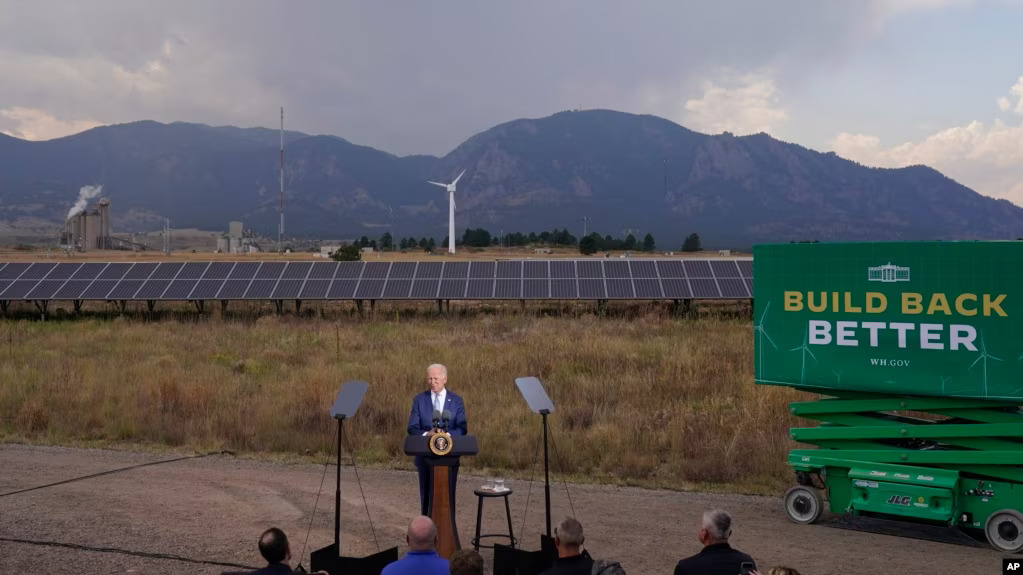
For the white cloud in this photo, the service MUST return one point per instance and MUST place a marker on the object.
(35, 124)
(742, 105)
(985, 157)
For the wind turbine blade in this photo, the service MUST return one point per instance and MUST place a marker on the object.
(437, 184)
(768, 338)
(995, 358)
(975, 362)
(458, 178)
(811, 354)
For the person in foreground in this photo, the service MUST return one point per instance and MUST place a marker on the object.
(274, 547)
(422, 557)
(717, 556)
(466, 562)
(420, 422)
(572, 560)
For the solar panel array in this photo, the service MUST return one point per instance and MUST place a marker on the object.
(702, 278)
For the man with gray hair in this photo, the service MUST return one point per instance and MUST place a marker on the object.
(572, 560)
(436, 399)
(717, 556)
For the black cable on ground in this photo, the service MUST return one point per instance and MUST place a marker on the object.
(66, 481)
(144, 554)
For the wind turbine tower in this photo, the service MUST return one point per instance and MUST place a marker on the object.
(280, 229)
(451, 210)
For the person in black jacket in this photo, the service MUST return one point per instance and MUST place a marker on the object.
(717, 556)
(572, 560)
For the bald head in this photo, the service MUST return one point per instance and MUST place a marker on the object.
(422, 534)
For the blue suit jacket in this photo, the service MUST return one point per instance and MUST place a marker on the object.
(420, 419)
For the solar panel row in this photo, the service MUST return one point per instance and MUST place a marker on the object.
(506, 279)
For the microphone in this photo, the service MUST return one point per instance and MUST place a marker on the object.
(436, 418)
(446, 418)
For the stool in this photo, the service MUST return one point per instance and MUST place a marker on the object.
(480, 494)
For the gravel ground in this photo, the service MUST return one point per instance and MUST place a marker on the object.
(214, 509)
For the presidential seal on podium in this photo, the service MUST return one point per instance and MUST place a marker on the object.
(440, 443)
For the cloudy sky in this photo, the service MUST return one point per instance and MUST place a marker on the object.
(882, 82)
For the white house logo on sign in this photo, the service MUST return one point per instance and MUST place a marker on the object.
(888, 273)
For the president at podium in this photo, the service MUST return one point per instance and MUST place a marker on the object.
(436, 408)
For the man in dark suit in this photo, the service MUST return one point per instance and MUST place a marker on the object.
(274, 547)
(420, 421)
(717, 556)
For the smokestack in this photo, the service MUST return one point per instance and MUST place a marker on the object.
(85, 193)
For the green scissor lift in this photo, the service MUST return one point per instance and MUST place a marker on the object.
(897, 445)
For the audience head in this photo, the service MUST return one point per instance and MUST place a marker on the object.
(422, 534)
(273, 546)
(466, 562)
(568, 536)
(716, 528)
(782, 571)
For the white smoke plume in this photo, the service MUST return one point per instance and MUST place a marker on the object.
(85, 194)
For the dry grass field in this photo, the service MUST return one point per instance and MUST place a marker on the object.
(645, 399)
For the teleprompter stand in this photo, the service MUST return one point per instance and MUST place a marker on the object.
(509, 560)
(329, 558)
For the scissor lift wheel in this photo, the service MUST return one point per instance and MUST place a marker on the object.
(1004, 530)
(803, 504)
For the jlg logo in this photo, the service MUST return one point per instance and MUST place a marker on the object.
(899, 500)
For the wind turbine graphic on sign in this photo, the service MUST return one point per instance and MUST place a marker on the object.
(761, 334)
(984, 355)
(806, 350)
(451, 210)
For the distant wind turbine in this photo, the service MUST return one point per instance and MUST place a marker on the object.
(984, 355)
(761, 334)
(451, 210)
(806, 350)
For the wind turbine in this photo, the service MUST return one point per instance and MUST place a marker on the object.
(984, 355)
(451, 210)
(761, 334)
(806, 350)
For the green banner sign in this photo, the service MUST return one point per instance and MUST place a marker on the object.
(922, 318)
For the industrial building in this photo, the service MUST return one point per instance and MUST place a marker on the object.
(237, 240)
(89, 229)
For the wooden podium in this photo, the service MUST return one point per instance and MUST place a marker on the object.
(439, 457)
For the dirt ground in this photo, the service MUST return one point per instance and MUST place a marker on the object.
(215, 508)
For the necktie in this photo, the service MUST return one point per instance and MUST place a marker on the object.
(436, 402)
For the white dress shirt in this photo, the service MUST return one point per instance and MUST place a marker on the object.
(437, 400)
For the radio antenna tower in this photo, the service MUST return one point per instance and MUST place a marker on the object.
(280, 229)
